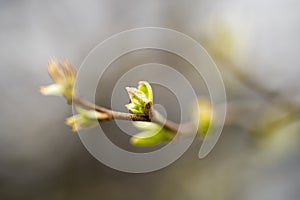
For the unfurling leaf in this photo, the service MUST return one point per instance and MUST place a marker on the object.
(141, 98)
(63, 75)
(152, 134)
(145, 87)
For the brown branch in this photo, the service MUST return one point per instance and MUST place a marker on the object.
(153, 116)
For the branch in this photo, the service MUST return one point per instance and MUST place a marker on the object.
(154, 116)
(141, 101)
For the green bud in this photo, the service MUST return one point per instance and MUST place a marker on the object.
(63, 75)
(141, 98)
(204, 114)
(85, 119)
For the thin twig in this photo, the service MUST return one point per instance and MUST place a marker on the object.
(154, 116)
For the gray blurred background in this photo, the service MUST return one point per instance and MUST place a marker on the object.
(255, 44)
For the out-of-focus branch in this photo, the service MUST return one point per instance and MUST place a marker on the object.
(273, 96)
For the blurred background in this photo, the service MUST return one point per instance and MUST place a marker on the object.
(255, 45)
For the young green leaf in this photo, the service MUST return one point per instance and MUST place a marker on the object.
(152, 134)
(145, 87)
